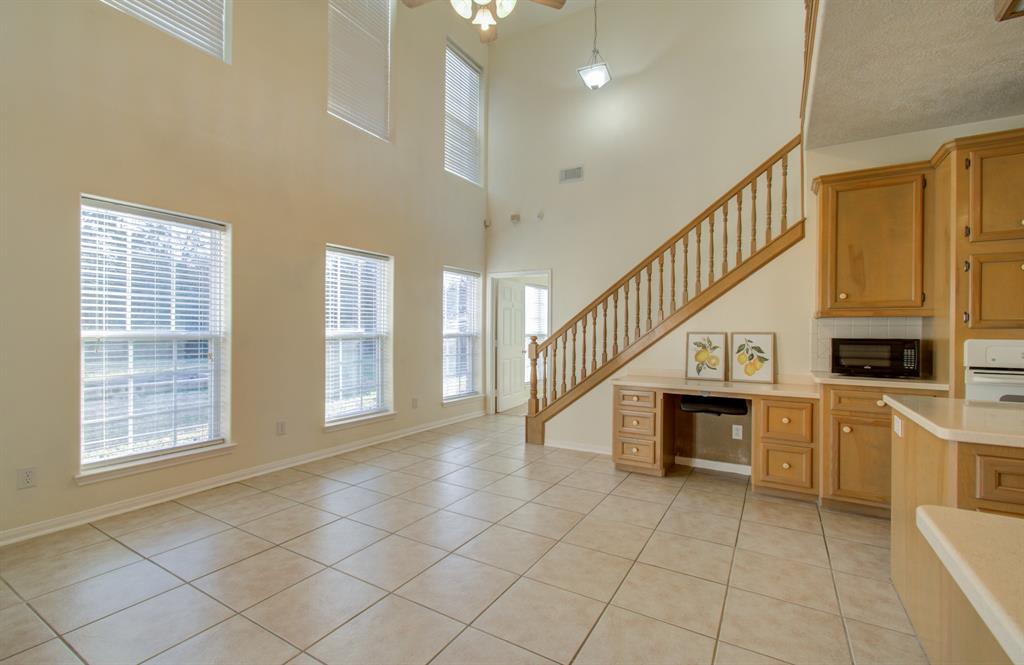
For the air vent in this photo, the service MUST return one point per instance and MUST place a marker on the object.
(575, 174)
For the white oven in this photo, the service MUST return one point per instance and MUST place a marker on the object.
(994, 370)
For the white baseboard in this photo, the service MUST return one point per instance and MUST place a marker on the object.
(572, 445)
(728, 467)
(44, 527)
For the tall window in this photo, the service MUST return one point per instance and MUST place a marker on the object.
(462, 116)
(154, 331)
(205, 24)
(357, 312)
(536, 298)
(359, 63)
(460, 309)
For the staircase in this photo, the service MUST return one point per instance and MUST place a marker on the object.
(741, 231)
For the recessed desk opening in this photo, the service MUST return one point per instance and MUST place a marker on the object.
(702, 431)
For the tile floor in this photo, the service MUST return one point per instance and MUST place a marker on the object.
(460, 545)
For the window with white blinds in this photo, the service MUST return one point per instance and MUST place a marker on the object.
(460, 351)
(536, 298)
(357, 312)
(463, 119)
(205, 24)
(359, 63)
(154, 332)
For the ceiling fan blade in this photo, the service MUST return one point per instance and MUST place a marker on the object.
(412, 4)
(554, 4)
(488, 36)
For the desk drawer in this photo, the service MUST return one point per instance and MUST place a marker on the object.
(789, 421)
(635, 422)
(634, 450)
(636, 399)
(860, 401)
(784, 464)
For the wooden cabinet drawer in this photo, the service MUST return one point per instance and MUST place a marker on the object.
(789, 421)
(999, 479)
(635, 422)
(784, 464)
(634, 450)
(860, 458)
(860, 401)
(636, 399)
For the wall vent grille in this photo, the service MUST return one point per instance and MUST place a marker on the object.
(574, 174)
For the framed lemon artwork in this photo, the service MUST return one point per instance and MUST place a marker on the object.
(706, 356)
(753, 357)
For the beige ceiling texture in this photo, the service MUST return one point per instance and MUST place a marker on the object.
(885, 67)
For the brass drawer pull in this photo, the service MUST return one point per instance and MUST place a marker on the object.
(785, 465)
(636, 422)
(880, 402)
(636, 398)
(634, 450)
(847, 429)
(786, 421)
(843, 296)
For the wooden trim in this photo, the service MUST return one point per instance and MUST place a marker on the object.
(1005, 11)
(810, 27)
(976, 142)
(909, 168)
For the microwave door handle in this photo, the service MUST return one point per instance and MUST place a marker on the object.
(1014, 379)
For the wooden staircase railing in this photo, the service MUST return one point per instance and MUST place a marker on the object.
(730, 240)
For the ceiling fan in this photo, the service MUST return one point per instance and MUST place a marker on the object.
(485, 13)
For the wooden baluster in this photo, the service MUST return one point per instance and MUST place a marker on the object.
(650, 268)
(711, 249)
(686, 268)
(593, 341)
(554, 369)
(583, 350)
(661, 288)
(696, 273)
(574, 381)
(544, 379)
(753, 212)
(604, 332)
(725, 239)
(768, 199)
(785, 166)
(672, 307)
(625, 316)
(532, 407)
(565, 352)
(636, 332)
(615, 323)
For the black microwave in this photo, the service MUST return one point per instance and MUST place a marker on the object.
(888, 358)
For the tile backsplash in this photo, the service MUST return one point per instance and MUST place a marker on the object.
(823, 330)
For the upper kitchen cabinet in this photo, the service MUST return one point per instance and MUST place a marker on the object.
(872, 234)
(996, 192)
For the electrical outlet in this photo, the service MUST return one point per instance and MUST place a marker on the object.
(737, 431)
(26, 478)
(281, 428)
(415, 402)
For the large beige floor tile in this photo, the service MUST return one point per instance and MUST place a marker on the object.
(622, 636)
(783, 543)
(499, 463)
(696, 501)
(347, 501)
(506, 548)
(568, 458)
(708, 483)
(458, 587)
(247, 582)
(288, 523)
(604, 464)
(365, 454)
(249, 508)
(791, 515)
(543, 520)
(727, 654)
(54, 652)
(474, 478)
(354, 474)
(877, 646)
(269, 481)
(444, 529)
(518, 487)
(705, 526)
(76, 605)
(304, 613)
(784, 579)
(791, 633)
(34, 577)
(331, 543)
(372, 638)
(473, 647)
(21, 629)
(584, 571)
(872, 601)
(486, 506)
(211, 553)
(391, 562)
(7, 596)
(682, 600)
(647, 489)
(136, 519)
(630, 511)
(867, 530)
(700, 558)
(322, 467)
(541, 618)
(594, 481)
(395, 461)
(206, 499)
(154, 625)
(231, 642)
(570, 498)
(618, 538)
(392, 515)
(547, 473)
(308, 489)
(151, 540)
(437, 494)
(393, 483)
(431, 469)
(859, 559)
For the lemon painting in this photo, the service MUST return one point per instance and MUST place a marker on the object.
(752, 357)
(706, 356)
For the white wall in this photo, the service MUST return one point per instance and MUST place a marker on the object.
(95, 101)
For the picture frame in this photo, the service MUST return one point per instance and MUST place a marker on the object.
(752, 357)
(707, 356)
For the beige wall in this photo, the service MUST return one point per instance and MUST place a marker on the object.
(95, 101)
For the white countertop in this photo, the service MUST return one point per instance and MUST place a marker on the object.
(994, 423)
(983, 554)
(909, 384)
(676, 382)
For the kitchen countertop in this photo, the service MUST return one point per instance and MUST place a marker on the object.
(994, 423)
(676, 382)
(910, 384)
(983, 554)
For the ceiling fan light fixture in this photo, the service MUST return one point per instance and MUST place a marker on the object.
(504, 7)
(484, 18)
(463, 8)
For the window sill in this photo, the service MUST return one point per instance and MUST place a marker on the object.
(455, 401)
(119, 470)
(358, 421)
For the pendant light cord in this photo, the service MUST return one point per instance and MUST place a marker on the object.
(595, 26)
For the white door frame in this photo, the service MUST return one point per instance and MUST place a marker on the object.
(492, 324)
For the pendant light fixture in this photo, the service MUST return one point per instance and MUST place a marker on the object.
(595, 73)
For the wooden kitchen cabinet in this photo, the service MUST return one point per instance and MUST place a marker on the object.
(860, 459)
(997, 192)
(785, 446)
(872, 225)
(996, 289)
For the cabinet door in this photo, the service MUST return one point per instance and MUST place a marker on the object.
(996, 294)
(861, 458)
(997, 193)
(874, 255)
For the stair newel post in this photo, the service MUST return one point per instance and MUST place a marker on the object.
(593, 341)
(785, 167)
(768, 199)
(533, 407)
(615, 323)
(604, 332)
(685, 296)
(636, 331)
(583, 350)
(574, 326)
(544, 380)
(696, 273)
(672, 277)
(661, 288)
(565, 352)
(711, 248)
(650, 268)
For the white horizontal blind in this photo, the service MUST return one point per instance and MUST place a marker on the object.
(536, 298)
(205, 24)
(462, 117)
(359, 63)
(357, 311)
(460, 309)
(154, 330)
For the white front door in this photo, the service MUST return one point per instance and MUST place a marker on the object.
(510, 352)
